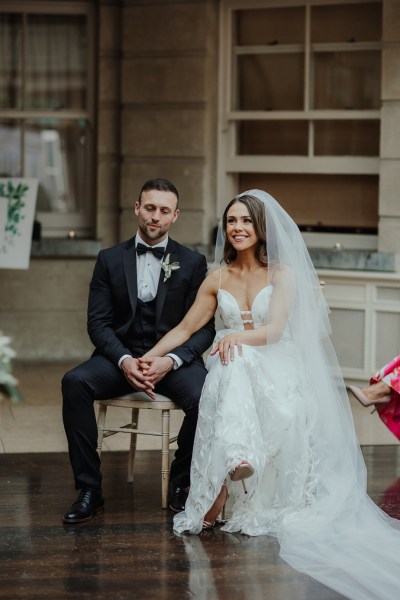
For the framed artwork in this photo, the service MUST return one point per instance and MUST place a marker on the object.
(17, 211)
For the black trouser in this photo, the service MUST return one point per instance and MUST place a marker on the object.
(99, 379)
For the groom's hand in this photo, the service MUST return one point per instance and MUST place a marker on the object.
(155, 368)
(135, 376)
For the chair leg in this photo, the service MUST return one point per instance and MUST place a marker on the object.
(164, 457)
(132, 450)
(101, 419)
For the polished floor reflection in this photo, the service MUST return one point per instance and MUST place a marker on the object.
(129, 551)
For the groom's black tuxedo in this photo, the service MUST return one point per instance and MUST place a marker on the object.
(120, 323)
(113, 302)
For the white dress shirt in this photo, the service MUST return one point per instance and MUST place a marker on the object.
(148, 269)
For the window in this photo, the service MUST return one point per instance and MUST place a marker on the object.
(300, 108)
(46, 108)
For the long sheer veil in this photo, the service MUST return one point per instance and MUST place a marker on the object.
(339, 536)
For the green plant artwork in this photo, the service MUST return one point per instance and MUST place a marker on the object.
(15, 196)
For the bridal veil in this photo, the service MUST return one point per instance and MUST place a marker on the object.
(338, 536)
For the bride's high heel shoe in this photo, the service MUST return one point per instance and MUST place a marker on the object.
(364, 400)
(241, 472)
(218, 507)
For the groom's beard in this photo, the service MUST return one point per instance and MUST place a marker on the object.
(153, 235)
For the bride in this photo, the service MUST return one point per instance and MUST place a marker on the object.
(275, 440)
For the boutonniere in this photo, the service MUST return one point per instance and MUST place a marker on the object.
(168, 267)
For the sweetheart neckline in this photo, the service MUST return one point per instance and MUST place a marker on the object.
(255, 297)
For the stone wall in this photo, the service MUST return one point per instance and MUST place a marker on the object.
(389, 185)
(168, 108)
(156, 84)
(43, 309)
(108, 122)
(157, 80)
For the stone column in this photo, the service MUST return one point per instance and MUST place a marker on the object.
(389, 186)
(108, 126)
(169, 81)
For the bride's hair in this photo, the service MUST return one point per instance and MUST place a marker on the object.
(257, 214)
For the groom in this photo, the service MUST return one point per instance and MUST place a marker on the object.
(134, 299)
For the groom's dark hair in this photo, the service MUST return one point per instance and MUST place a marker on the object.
(162, 185)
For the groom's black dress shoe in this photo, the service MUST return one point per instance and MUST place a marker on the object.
(85, 506)
(178, 498)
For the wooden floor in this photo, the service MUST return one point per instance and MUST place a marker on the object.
(129, 551)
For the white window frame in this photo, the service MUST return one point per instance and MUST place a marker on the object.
(230, 163)
(59, 224)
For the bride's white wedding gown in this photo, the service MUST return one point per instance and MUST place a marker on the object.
(284, 408)
(255, 408)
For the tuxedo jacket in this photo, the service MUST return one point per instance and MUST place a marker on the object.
(113, 300)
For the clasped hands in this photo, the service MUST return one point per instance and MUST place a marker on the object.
(144, 373)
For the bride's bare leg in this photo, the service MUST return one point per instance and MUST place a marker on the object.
(212, 515)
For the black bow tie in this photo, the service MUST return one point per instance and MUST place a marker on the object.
(158, 251)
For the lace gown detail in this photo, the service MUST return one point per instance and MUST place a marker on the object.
(263, 415)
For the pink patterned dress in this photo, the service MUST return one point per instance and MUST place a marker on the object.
(390, 412)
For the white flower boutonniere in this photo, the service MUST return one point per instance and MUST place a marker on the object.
(168, 267)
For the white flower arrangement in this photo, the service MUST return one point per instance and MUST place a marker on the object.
(168, 267)
(8, 382)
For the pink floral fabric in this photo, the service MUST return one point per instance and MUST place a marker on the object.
(390, 412)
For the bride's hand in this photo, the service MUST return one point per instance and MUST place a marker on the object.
(226, 347)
